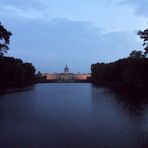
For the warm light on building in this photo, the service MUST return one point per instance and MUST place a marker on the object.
(67, 75)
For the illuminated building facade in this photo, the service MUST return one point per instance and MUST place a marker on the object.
(67, 76)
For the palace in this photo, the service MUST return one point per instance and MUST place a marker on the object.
(66, 75)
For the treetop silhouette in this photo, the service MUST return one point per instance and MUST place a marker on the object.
(4, 39)
(144, 35)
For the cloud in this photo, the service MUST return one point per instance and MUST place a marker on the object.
(14, 11)
(106, 14)
(25, 4)
(140, 6)
(34, 9)
(50, 45)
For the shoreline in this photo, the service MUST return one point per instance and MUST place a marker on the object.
(15, 88)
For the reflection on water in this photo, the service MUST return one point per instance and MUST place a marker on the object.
(73, 115)
(17, 89)
(132, 111)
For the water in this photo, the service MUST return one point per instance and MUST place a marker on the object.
(71, 116)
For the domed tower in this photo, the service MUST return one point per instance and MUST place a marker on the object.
(66, 70)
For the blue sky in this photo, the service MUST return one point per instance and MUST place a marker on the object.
(51, 34)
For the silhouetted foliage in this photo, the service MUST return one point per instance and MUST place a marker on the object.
(13, 72)
(136, 54)
(129, 71)
(144, 35)
(40, 78)
(4, 40)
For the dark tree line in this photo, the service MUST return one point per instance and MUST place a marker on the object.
(13, 72)
(129, 71)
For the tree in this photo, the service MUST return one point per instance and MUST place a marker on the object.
(4, 40)
(136, 54)
(144, 35)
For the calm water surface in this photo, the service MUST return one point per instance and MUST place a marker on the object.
(71, 116)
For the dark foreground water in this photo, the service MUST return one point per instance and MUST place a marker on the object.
(71, 116)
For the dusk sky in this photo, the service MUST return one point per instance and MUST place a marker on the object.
(53, 33)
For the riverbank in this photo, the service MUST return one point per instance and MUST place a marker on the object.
(128, 74)
(15, 88)
(64, 81)
(128, 91)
